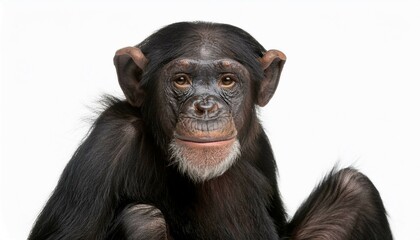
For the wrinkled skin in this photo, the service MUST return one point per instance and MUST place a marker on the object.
(206, 94)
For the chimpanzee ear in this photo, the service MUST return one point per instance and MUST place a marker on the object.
(130, 63)
(272, 63)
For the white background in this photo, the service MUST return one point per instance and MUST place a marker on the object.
(349, 92)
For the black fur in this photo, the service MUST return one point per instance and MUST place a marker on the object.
(346, 205)
(118, 165)
(122, 184)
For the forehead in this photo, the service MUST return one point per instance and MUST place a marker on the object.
(204, 66)
(207, 56)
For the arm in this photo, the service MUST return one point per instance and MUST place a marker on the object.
(84, 201)
(346, 205)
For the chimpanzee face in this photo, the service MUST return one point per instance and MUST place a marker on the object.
(207, 96)
(200, 101)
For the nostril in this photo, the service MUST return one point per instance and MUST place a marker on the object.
(205, 106)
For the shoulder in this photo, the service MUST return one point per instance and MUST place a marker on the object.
(117, 121)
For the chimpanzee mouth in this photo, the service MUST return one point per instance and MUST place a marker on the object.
(204, 140)
(205, 133)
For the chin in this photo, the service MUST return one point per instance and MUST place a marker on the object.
(204, 161)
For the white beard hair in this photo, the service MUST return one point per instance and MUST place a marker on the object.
(202, 173)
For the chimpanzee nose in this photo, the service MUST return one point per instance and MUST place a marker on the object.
(206, 106)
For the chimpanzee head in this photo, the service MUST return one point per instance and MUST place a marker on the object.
(197, 85)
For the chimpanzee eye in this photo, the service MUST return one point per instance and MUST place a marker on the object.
(182, 81)
(227, 81)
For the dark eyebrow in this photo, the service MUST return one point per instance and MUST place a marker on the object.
(229, 65)
(181, 65)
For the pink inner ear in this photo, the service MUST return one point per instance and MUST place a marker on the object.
(136, 54)
(272, 64)
(269, 57)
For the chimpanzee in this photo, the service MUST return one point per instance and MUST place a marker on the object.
(185, 156)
